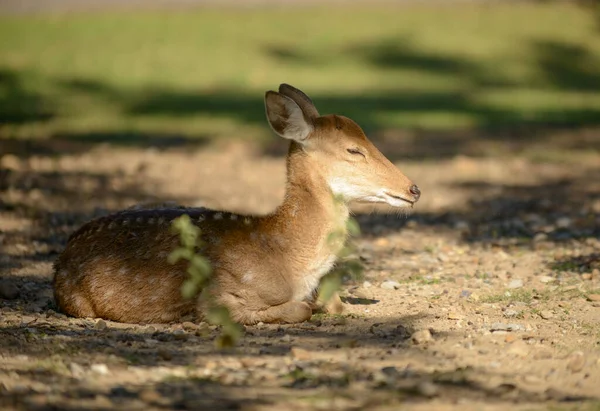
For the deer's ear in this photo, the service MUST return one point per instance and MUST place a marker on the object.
(286, 117)
(305, 103)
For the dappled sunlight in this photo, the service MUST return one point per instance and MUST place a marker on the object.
(483, 295)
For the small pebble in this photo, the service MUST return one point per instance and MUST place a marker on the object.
(10, 162)
(390, 285)
(427, 389)
(546, 279)
(301, 354)
(422, 336)
(511, 313)
(100, 325)
(517, 283)
(455, 316)
(101, 369)
(593, 297)
(546, 314)
(188, 325)
(8, 291)
(564, 222)
(180, 334)
(76, 370)
(576, 362)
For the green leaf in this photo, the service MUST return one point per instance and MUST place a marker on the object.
(218, 315)
(354, 268)
(225, 341)
(330, 284)
(352, 227)
(202, 264)
(196, 275)
(181, 222)
(178, 254)
(189, 289)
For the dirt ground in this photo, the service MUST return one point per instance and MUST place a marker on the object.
(486, 297)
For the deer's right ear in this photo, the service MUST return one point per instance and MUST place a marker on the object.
(286, 117)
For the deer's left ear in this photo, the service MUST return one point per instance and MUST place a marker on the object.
(286, 117)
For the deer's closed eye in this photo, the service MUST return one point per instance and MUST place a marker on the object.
(356, 151)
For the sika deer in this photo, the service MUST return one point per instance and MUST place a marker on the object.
(266, 268)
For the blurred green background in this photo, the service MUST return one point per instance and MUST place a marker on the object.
(201, 73)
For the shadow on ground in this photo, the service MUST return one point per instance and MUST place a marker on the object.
(234, 385)
(42, 209)
(509, 215)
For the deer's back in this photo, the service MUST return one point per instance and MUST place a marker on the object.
(116, 267)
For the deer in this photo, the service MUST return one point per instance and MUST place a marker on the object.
(266, 268)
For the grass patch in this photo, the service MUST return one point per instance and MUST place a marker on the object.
(124, 77)
(520, 295)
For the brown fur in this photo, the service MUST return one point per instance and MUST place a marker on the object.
(265, 268)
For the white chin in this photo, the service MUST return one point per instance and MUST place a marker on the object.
(397, 202)
(391, 201)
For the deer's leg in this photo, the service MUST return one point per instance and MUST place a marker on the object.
(290, 312)
(286, 313)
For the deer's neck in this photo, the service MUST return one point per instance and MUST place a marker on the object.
(309, 211)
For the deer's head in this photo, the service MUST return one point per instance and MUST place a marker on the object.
(352, 166)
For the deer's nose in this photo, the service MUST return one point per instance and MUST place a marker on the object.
(414, 190)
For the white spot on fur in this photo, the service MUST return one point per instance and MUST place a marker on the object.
(161, 221)
(123, 271)
(280, 240)
(233, 217)
(201, 218)
(218, 216)
(111, 225)
(248, 277)
(125, 221)
(247, 220)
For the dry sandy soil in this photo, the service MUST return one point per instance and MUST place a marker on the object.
(486, 297)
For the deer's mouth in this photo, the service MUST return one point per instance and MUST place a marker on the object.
(396, 200)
